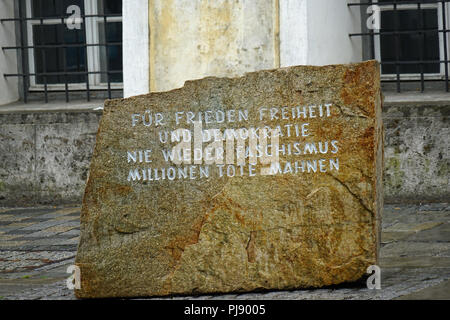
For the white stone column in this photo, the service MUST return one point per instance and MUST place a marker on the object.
(192, 39)
(135, 47)
(315, 32)
(293, 32)
(9, 91)
(329, 24)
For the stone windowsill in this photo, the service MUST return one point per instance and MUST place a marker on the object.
(390, 99)
(416, 98)
(54, 106)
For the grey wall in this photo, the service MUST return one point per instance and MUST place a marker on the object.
(44, 157)
(417, 152)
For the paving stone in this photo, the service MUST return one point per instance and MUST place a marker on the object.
(11, 244)
(68, 218)
(52, 255)
(75, 214)
(17, 261)
(73, 241)
(15, 226)
(66, 247)
(26, 212)
(7, 237)
(413, 227)
(59, 228)
(73, 232)
(61, 213)
(53, 231)
(414, 265)
(388, 237)
(20, 232)
(439, 291)
(433, 207)
(7, 217)
(43, 225)
(414, 262)
(50, 241)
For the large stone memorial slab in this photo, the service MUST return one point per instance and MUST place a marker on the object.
(268, 181)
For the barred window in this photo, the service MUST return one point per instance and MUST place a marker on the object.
(70, 46)
(411, 42)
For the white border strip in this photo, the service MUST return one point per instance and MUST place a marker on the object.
(293, 32)
(135, 39)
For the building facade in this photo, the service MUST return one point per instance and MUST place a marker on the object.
(61, 59)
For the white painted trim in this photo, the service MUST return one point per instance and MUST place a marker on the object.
(136, 56)
(316, 33)
(293, 32)
(93, 52)
(9, 90)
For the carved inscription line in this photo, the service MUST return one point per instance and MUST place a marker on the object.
(233, 152)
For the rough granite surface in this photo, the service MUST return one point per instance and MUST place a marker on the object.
(242, 233)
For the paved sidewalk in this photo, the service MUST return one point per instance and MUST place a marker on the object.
(38, 244)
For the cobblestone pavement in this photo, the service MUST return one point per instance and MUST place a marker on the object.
(38, 244)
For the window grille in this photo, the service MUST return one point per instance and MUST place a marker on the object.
(69, 47)
(410, 41)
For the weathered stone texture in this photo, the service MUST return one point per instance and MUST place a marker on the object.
(417, 152)
(194, 39)
(229, 234)
(44, 157)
